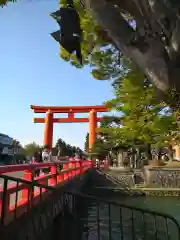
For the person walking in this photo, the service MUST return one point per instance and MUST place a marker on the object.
(45, 159)
(97, 163)
(45, 155)
(38, 160)
(58, 153)
(33, 159)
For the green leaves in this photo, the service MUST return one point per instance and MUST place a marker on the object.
(106, 61)
(30, 149)
(144, 120)
(67, 149)
(4, 2)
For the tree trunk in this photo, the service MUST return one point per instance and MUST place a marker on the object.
(120, 159)
(159, 156)
(152, 60)
(170, 153)
(137, 156)
(148, 152)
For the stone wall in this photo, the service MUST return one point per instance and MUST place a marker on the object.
(162, 177)
(128, 177)
(125, 179)
(105, 185)
(154, 177)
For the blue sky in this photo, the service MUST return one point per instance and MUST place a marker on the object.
(32, 72)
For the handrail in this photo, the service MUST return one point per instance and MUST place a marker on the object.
(115, 203)
(35, 183)
(133, 222)
(32, 166)
(29, 167)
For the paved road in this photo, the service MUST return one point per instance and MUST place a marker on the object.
(14, 174)
(17, 175)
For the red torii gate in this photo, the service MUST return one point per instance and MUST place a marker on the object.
(49, 119)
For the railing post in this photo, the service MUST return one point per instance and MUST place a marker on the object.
(106, 165)
(74, 165)
(88, 164)
(25, 192)
(53, 180)
(5, 206)
(77, 168)
(59, 173)
(66, 167)
(59, 177)
(81, 166)
(70, 173)
(74, 171)
(4, 203)
(91, 163)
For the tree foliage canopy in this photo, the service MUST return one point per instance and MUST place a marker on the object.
(67, 149)
(30, 149)
(143, 120)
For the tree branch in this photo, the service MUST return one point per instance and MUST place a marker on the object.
(169, 20)
(175, 43)
(152, 62)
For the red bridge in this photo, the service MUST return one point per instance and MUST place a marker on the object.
(54, 177)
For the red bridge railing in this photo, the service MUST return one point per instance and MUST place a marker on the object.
(56, 173)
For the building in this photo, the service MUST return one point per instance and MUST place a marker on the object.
(7, 149)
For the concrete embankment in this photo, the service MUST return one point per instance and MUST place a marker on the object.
(159, 192)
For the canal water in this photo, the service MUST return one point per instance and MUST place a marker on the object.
(124, 224)
(168, 205)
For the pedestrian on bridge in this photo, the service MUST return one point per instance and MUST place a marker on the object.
(37, 159)
(59, 154)
(46, 158)
(45, 155)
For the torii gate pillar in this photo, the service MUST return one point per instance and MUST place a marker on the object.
(92, 128)
(48, 129)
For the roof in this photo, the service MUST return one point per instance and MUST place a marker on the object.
(4, 135)
(5, 139)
